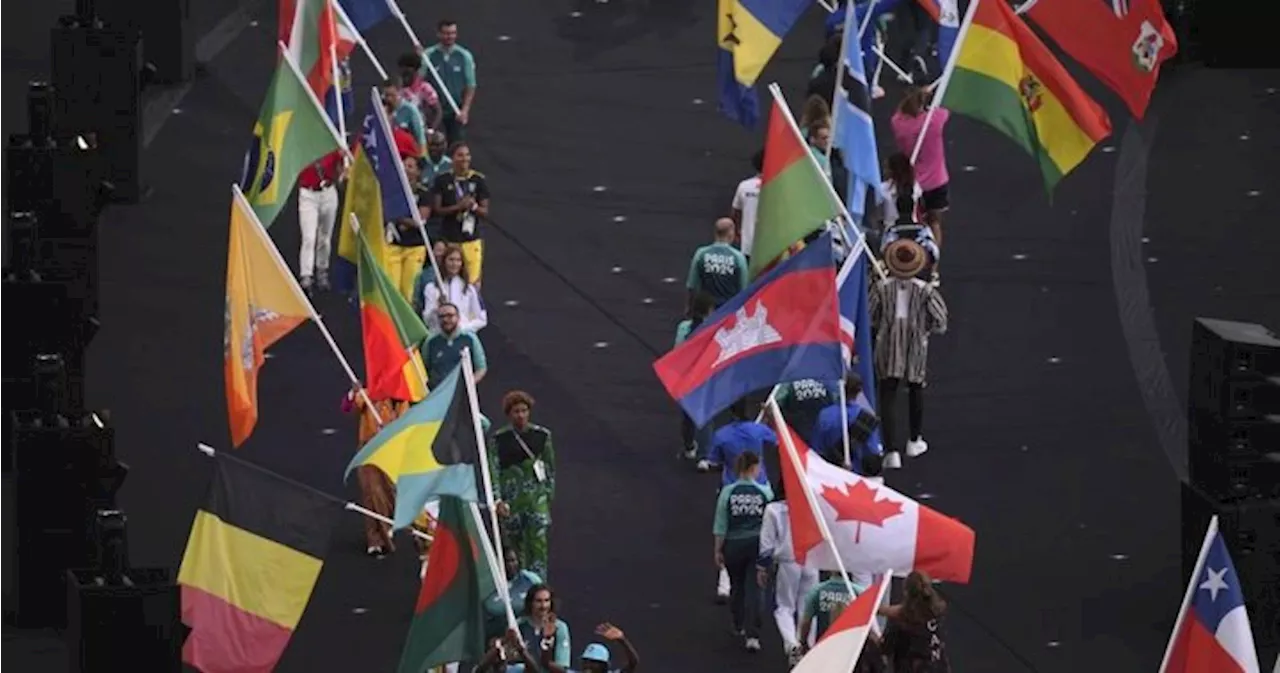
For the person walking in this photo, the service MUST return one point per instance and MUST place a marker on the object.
(736, 529)
(406, 252)
(903, 213)
(457, 69)
(697, 441)
(824, 603)
(377, 493)
(908, 124)
(317, 213)
(416, 89)
(472, 314)
(443, 350)
(460, 198)
(792, 580)
(718, 269)
(914, 638)
(746, 202)
(523, 459)
(904, 312)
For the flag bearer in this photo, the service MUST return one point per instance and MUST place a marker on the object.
(377, 493)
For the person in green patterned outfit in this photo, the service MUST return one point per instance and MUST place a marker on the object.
(523, 463)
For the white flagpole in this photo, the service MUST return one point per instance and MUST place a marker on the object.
(380, 114)
(944, 81)
(470, 381)
(1191, 590)
(844, 420)
(311, 95)
(417, 363)
(785, 443)
(302, 296)
(337, 86)
(417, 45)
(861, 245)
(364, 46)
(840, 66)
(349, 506)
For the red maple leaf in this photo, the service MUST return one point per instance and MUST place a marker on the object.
(860, 505)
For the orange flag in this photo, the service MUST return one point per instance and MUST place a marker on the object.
(264, 303)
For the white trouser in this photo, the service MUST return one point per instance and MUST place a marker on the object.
(317, 211)
(793, 582)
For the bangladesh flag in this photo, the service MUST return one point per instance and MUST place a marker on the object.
(795, 199)
(392, 335)
(291, 133)
(448, 620)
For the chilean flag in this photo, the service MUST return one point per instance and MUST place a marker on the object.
(785, 327)
(874, 529)
(1212, 631)
(839, 648)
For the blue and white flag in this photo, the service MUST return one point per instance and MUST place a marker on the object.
(855, 134)
(855, 337)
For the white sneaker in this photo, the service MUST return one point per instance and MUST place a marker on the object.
(916, 447)
(722, 587)
(794, 655)
(689, 453)
(893, 461)
(705, 465)
(877, 92)
(752, 644)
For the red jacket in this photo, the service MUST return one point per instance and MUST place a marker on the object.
(322, 173)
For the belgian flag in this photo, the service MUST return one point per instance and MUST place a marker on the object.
(254, 555)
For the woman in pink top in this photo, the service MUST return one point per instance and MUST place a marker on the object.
(931, 166)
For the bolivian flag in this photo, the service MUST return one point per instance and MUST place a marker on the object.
(392, 334)
(428, 452)
(264, 304)
(252, 560)
(1006, 77)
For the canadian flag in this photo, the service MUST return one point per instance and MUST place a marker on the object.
(874, 528)
(840, 647)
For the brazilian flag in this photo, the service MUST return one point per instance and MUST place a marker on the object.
(291, 133)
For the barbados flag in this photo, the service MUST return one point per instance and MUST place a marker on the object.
(758, 29)
(430, 451)
(785, 327)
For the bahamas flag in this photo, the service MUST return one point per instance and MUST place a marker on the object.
(758, 27)
(291, 133)
(428, 452)
(392, 333)
(449, 617)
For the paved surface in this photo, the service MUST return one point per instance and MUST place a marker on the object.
(608, 164)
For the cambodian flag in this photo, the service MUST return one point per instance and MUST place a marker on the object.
(1212, 631)
(785, 327)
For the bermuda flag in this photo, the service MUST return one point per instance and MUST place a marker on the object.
(838, 649)
(874, 528)
(785, 327)
(1212, 630)
(1121, 43)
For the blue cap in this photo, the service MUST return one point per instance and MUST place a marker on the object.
(596, 652)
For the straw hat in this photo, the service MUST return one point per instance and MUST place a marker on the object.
(905, 258)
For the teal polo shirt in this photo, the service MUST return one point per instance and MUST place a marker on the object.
(457, 67)
(718, 269)
(409, 118)
(444, 352)
(740, 510)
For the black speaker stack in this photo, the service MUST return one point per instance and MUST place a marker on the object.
(1233, 430)
(69, 549)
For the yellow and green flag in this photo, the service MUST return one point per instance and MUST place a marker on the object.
(1005, 76)
(292, 132)
(392, 333)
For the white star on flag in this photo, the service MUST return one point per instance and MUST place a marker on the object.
(1215, 583)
